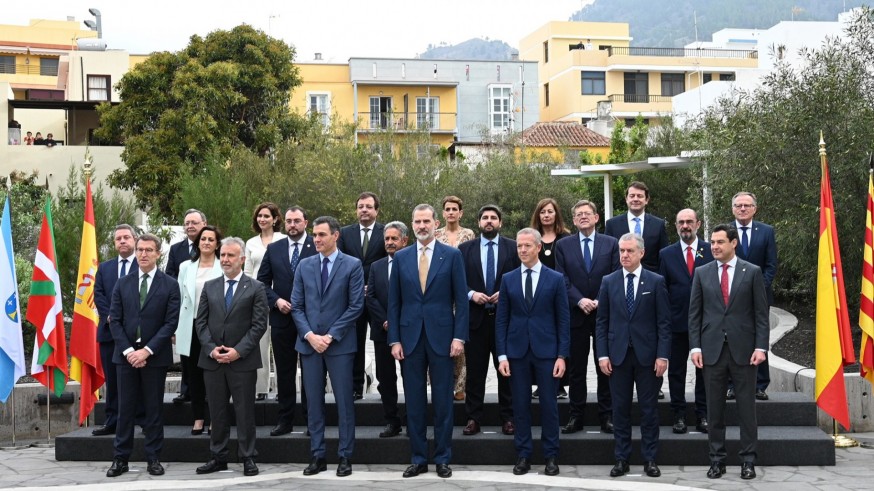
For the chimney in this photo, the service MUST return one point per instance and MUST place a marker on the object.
(514, 56)
(318, 57)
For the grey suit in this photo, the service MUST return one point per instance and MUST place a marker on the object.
(240, 328)
(727, 337)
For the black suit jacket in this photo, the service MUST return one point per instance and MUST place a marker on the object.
(275, 273)
(581, 283)
(655, 236)
(157, 319)
(672, 265)
(104, 283)
(178, 255)
(350, 243)
(376, 299)
(508, 260)
(762, 253)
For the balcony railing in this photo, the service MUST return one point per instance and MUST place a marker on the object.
(409, 121)
(639, 98)
(28, 69)
(683, 52)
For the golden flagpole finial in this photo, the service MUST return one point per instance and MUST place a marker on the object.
(821, 144)
(88, 164)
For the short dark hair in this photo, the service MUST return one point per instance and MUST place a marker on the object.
(297, 208)
(453, 199)
(638, 185)
(274, 212)
(195, 256)
(332, 222)
(150, 238)
(368, 194)
(729, 230)
(486, 208)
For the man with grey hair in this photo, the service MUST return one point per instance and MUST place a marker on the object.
(376, 297)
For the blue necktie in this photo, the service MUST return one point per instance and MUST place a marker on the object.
(629, 293)
(229, 295)
(490, 272)
(745, 241)
(295, 258)
(587, 255)
(123, 268)
(529, 288)
(637, 225)
(324, 274)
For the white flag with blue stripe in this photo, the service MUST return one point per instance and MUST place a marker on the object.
(12, 365)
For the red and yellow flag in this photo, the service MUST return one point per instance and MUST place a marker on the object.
(834, 342)
(49, 362)
(866, 309)
(85, 363)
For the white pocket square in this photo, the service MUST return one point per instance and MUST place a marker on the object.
(645, 293)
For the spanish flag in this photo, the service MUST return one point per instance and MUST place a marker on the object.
(834, 343)
(866, 310)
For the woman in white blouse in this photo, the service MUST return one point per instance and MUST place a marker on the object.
(266, 222)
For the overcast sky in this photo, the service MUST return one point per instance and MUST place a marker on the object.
(336, 28)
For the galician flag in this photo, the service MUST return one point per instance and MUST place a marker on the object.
(11, 344)
(866, 308)
(49, 364)
(85, 363)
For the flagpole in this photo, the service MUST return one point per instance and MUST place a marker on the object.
(48, 443)
(14, 446)
(842, 441)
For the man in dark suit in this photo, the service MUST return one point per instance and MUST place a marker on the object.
(395, 236)
(107, 274)
(277, 273)
(179, 253)
(728, 337)
(231, 318)
(636, 220)
(677, 264)
(584, 259)
(143, 316)
(633, 335)
(363, 240)
(756, 245)
(327, 297)
(486, 259)
(427, 327)
(532, 331)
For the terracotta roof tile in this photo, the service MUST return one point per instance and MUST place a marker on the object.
(563, 133)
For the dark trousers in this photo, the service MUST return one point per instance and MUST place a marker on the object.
(140, 387)
(523, 373)
(626, 376)
(285, 357)
(716, 380)
(477, 351)
(581, 343)
(421, 361)
(224, 383)
(358, 363)
(110, 391)
(677, 378)
(196, 387)
(387, 376)
(338, 367)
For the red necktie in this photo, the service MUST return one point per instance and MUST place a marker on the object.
(690, 260)
(724, 284)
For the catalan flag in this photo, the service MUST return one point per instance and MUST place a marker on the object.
(834, 343)
(866, 310)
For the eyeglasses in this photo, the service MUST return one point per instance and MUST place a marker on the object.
(145, 251)
(584, 214)
(744, 205)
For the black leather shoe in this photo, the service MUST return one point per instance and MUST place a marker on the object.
(748, 471)
(444, 471)
(389, 431)
(717, 469)
(508, 428)
(551, 468)
(522, 466)
(181, 399)
(620, 469)
(249, 467)
(607, 425)
(103, 430)
(281, 429)
(703, 425)
(651, 469)
(729, 394)
(356, 396)
(261, 397)
(472, 428)
(562, 394)
(761, 395)
(415, 469)
(344, 468)
(212, 466)
(316, 466)
(117, 468)
(573, 425)
(155, 468)
(680, 425)
(661, 394)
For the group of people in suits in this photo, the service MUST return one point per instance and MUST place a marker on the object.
(638, 303)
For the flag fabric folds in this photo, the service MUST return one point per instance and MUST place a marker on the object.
(866, 308)
(49, 362)
(85, 363)
(12, 365)
(834, 342)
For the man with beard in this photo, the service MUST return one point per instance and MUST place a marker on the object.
(486, 259)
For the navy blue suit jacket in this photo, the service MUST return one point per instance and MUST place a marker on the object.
(275, 273)
(104, 282)
(648, 327)
(350, 243)
(655, 236)
(579, 282)
(672, 266)
(178, 254)
(473, 267)
(762, 253)
(157, 319)
(376, 299)
(544, 327)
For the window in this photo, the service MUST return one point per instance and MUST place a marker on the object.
(726, 77)
(319, 104)
(636, 87)
(673, 84)
(546, 94)
(500, 107)
(7, 64)
(708, 77)
(546, 51)
(630, 122)
(380, 112)
(593, 83)
(98, 87)
(427, 112)
(48, 67)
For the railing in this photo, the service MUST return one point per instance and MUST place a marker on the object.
(28, 69)
(408, 121)
(683, 52)
(639, 98)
